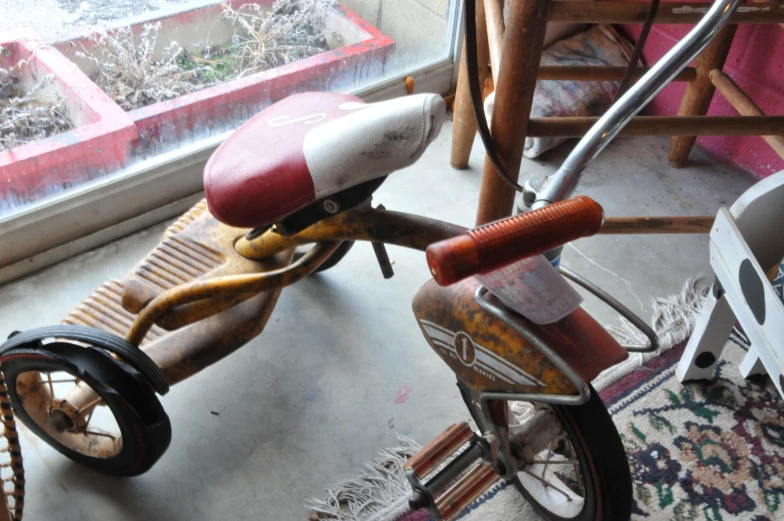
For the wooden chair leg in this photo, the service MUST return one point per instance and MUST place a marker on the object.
(494, 14)
(464, 122)
(699, 92)
(514, 93)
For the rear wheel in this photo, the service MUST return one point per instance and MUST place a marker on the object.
(123, 431)
(582, 473)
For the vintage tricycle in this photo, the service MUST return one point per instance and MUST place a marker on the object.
(301, 174)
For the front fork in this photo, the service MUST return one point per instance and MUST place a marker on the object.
(460, 465)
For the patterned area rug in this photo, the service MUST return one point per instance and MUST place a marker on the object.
(701, 451)
(711, 451)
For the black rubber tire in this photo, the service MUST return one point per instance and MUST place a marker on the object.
(116, 345)
(333, 259)
(606, 474)
(145, 427)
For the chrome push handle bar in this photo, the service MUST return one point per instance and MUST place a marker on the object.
(561, 185)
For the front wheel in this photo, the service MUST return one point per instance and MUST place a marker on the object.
(582, 474)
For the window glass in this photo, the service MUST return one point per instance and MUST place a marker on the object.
(90, 89)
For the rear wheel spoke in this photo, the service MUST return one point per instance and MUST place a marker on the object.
(87, 420)
(103, 434)
(93, 405)
(51, 384)
(91, 432)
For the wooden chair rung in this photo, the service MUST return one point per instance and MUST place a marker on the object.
(662, 126)
(668, 13)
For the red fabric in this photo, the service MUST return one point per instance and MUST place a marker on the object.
(259, 174)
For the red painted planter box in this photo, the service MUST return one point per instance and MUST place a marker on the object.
(216, 109)
(99, 143)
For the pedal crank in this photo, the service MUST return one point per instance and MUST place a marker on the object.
(452, 471)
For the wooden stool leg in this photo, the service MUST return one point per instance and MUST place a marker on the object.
(514, 93)
(711, 333)
(464, 122)
(494, 14)
(699, 92)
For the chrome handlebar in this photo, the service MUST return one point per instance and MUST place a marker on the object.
(561, 185)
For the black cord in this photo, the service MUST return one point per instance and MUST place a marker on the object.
(472, 66)
(472, 69)
(637, 52)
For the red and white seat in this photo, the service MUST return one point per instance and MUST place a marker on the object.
(313, 145)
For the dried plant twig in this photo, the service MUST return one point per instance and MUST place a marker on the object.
(291, 30)
(130, 74)
(23, 116)
(264, 38)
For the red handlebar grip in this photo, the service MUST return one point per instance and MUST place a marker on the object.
(495, 245)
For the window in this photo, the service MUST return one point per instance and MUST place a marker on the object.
(109, 108)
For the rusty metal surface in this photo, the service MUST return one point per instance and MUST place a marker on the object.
(185, 219)
(197, 286)
(227, 291)
(376, 225)
(196, 247)
(488, 355)
(186, 351)
(103, 310)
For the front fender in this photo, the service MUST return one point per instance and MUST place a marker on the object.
(489, 355)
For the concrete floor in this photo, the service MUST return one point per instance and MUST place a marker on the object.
(317, 394)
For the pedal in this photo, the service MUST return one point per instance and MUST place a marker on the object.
(450, 472)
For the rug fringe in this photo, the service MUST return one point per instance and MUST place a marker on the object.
(674, 318)
(379, 493)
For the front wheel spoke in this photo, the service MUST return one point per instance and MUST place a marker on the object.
(556, 462)
(548, 484)
(547, 460)
(577, 472)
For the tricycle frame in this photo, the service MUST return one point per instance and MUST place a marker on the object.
(373, 225)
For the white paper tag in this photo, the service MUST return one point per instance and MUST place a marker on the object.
(533, 288)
